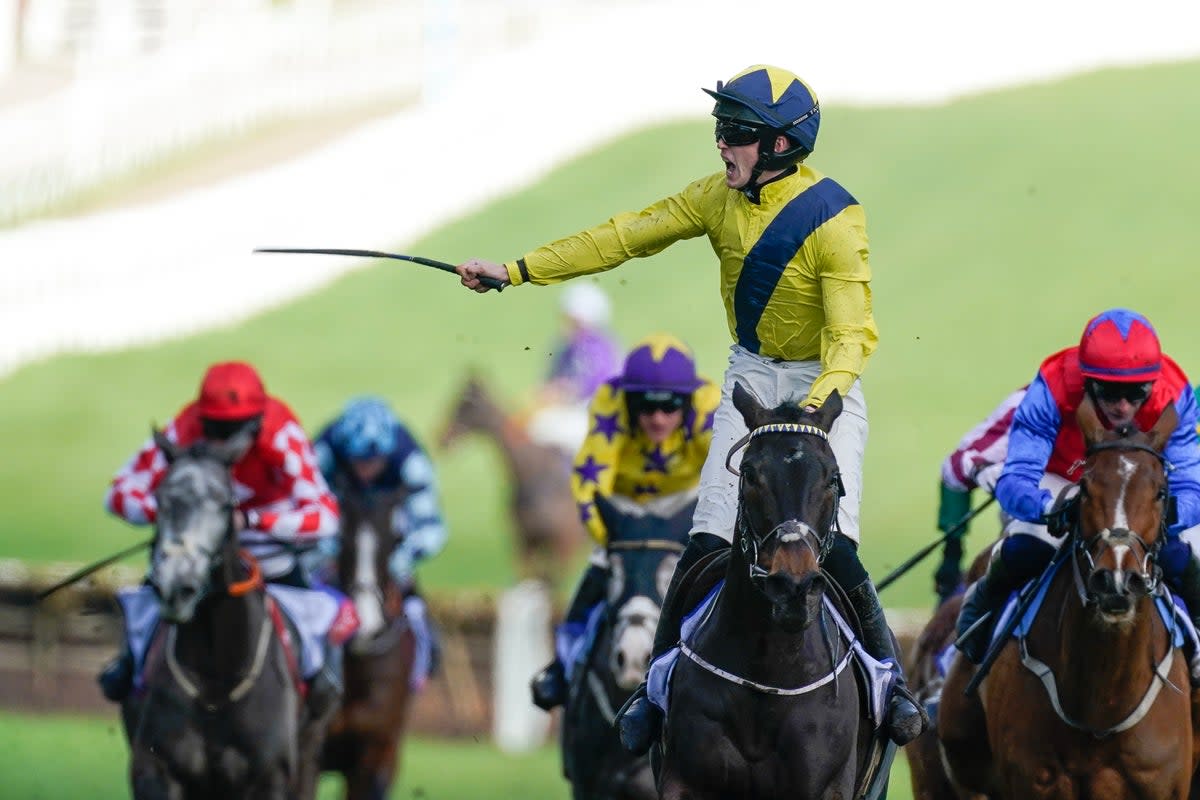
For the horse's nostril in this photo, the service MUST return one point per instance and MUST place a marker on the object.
(621, 660)
(1137, 584)
(1102, 582)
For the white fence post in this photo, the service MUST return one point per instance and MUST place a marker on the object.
(522, 647)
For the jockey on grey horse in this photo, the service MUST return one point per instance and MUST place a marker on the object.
(284, 508)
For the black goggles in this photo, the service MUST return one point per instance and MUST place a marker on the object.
(1112, 392)
(736, 134)
(667, 403)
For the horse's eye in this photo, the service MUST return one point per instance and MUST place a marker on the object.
(749, 473)
(1162, 494)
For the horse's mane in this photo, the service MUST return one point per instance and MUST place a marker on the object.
(789, 412)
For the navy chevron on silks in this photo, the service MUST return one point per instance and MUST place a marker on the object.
(764, 265)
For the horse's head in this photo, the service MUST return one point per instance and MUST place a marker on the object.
(474, 410)
(643, 549)
(787, 503)
(368, 538)
(1122, 511)
(194, 529)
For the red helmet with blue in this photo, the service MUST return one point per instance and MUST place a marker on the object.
(1120, 346)
(231, 390)
(365, 429)
(660, 363)
(779, 102)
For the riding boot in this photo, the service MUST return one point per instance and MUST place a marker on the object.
(549, 686)
(905, 719)
(639, 721)
(1187, 586)
(116, 679)
(954, 506)
(985, 597)
(325, 688)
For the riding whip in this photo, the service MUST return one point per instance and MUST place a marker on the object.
(491, 283)
(929, 548)
(80, 574)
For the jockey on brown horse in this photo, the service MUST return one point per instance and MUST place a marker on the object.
(1119, 364)
(649, 431)
(368, 452)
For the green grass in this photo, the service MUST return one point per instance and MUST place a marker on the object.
(998, 225)
(50, 758)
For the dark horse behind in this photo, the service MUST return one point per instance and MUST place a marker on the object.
(220, 714)
(643, 548)
(364, 738)
(764, 700)
(1092, 699)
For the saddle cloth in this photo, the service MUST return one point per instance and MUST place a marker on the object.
(318, 615)
(1171, 609)
(880, 675)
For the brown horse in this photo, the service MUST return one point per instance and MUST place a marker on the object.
(364, 738)
(1093, 702)
(549, 532)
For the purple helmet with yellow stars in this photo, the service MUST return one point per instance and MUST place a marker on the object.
(777, 101)
(660, 363)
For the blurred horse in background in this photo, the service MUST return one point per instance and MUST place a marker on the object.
(364, 737)
(549, 532)
(643, 548)
(221, 714)
(1091, 696)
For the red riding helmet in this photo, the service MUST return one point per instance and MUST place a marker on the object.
(1120, 346)
(231, 391)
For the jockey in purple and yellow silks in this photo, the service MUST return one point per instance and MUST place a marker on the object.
(649, 432)
(1120, 365)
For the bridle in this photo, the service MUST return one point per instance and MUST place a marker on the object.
(820, 542)
(1151, 573)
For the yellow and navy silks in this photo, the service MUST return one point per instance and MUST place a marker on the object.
(795, 275)
(617, 458)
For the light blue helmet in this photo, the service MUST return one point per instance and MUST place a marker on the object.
(365, 429)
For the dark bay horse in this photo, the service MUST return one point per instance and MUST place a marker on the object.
(221, 715)
(643, 548)
(762, 702)
(1094, 701)
(364, 738)
(549, 532)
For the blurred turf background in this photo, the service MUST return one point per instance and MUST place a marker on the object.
(999, 224)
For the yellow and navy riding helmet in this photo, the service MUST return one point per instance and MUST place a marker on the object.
(778, 101)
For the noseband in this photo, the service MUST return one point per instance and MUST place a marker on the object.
(788, 530)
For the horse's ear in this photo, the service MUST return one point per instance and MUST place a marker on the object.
(1160, 434)
(748, 405)
(612, 518)
(824, 416)
(1089, 421)
(168, 448)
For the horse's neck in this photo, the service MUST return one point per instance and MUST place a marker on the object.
(219, 643)
(739, 633)
(1096, 666)
(523, 456)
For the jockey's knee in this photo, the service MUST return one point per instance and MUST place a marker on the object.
(843, 563)
(1025, 556)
